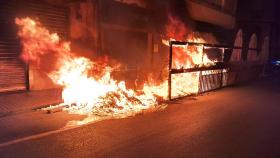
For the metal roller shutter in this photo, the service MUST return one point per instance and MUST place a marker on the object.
(13, 72)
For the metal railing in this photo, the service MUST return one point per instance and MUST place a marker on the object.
(217, 66)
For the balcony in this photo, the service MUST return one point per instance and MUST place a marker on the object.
(217, 12)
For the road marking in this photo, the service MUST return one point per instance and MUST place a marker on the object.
(36, 136)
(44, 134)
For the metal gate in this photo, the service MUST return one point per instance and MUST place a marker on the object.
(14, 72)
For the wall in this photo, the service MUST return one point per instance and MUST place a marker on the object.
(210, 14)
(259, 16)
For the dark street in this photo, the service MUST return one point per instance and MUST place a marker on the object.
(241, 121)
(139, 79)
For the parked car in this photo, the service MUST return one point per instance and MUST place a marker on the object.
(275, 65)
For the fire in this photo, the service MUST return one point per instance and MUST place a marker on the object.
(183, 57)
(182, 85)
(186, 56)
(85, 90)
(88, 87)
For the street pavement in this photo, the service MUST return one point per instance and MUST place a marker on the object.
(19, 117)
(240, 121)
(14, 103)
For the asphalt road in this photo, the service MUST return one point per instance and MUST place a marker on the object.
(241, 121)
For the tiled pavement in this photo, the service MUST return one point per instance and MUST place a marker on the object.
(19, 120)
(11, 103)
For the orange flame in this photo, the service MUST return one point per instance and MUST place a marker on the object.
(88, 87)
(83, 91)
(186, 56)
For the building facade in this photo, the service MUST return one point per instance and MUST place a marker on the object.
(260, 17)
(129, 31)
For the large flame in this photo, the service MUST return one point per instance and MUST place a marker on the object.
(183, 57)
(85, 91)
(186, 56)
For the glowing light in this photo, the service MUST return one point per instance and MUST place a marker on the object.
(186, 56)
(84, 91)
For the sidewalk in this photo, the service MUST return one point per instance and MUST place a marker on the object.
(18, 119)
(11, 103)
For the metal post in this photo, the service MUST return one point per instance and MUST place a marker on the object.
(223, 57)
(221, 78)
(27, 76)
(170, 70)
(200, 78)
(222, 73)
(203, 49)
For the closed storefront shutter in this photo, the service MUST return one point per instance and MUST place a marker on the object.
(13, 71)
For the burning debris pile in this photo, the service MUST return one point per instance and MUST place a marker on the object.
(85, 91)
